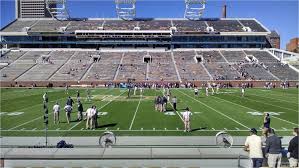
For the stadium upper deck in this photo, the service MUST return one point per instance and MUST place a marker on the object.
(176, 33)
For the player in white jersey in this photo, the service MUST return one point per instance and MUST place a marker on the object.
(135, 89)
(207, 91)
(187, 119)
(45, 97)
(56, 109)
(217, 88)
(196, 91)
(242, 90)
(141, 90)
(90, 112)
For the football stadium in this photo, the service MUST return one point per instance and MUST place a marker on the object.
(144, 92)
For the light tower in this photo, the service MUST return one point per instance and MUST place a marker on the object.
(57, 9)
(194, 9)
(125, 9)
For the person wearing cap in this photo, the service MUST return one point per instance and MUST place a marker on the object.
(273, 149)
(293, 149)
(253, 145)
(187, 117)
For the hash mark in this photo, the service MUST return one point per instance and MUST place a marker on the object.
(225, 129)
(213, 128)
(237, 128)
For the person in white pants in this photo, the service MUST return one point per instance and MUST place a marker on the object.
(187, 118)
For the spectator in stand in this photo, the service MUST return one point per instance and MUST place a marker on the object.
(293, 149)
(273, 149)
(253, 145)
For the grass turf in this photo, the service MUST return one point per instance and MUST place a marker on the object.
(225, 111)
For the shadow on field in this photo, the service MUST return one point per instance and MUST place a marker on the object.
(197, 129)
(107, 125)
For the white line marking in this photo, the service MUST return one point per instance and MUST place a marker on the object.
(82, 128)
(117, 128)
(26, 123)
(34, 129)
(213, 128)
(216, 110)
(237, 128)
(225, 129)
(268, 104)
(162, 130)
(284, 128)
(272, 98)
(23, 129)
(154, 129)
(75, 125)
(177, 128)
(106, 129)
(284, 120)
(141, 128)
(135, 113)
(58, 129)
(256, 110)
(99, 109)
(165, 129)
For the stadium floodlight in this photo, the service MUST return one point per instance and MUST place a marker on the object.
(194, 9)
(57, 9)
(107, 139)
(126, 9)
(224, 140)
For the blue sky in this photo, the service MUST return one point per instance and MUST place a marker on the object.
(279, 15)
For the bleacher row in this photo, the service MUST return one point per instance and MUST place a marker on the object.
(168, 66)
(233, 25)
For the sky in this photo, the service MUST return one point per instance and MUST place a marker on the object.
(279, 15)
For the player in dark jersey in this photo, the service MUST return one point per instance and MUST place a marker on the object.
(266, 124)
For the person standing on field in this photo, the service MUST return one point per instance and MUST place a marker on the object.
(56, 109)
(187, 118)
(80, 111)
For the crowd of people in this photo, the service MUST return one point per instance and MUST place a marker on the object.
(268, 150)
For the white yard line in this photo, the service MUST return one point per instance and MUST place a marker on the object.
(271, 98)
(255, 110)
(215, 110)
(133, 119)
(99, 109)
(175, 110)
(75, 125)
(25, 123)
(267, 103)
(154, 130)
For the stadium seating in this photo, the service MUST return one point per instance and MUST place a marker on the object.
(119, 25)
(187, 65)
(186, 26)
(18, 26)
(188, 68)
(234, 56)
(48, 26)
(85, 25)
(226, 25)
(254, 26)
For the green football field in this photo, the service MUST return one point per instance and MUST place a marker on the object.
(22, 112)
